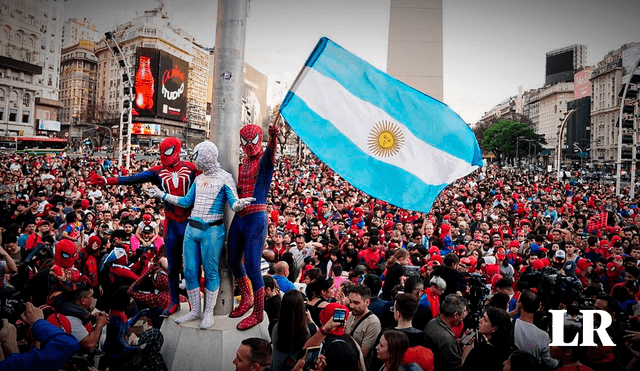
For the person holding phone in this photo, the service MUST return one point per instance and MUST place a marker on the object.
(339, 348)
(494, 327)
(362, 325)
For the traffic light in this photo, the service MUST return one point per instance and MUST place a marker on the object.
(127, 91)
(627, 139)
(126, 104)
(627, 153)
(125, 117)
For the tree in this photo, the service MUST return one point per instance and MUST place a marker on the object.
(505, 137)
(481, 126)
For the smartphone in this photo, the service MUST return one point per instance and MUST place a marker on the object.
(310, 357)
(339, 316)
(465, 340)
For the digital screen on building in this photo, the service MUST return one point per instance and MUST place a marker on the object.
(560, 63)
(145, 82)
(139, 128)
(173, 76)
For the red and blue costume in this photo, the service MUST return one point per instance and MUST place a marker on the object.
(248, 230)
(174, 177)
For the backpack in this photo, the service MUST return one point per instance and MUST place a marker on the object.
(60, 230)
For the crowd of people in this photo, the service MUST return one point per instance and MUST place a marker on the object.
(470, 283)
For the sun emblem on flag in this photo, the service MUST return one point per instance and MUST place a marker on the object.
(385, 139)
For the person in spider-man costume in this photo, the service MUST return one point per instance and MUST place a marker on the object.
(65, 278)
(174, 177)
(248, 230)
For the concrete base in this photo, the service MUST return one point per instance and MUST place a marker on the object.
(188, 347)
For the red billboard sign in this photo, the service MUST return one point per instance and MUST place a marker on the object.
(145, 82)
(582, 84)
(160, 85)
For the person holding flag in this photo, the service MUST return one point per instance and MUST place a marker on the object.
(248, 230)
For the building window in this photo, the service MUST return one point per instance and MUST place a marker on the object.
(13, 115)
(1, 113)
(26, 99)
(25, 117)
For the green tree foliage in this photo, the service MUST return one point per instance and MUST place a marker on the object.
(480, 127)
(502, 139)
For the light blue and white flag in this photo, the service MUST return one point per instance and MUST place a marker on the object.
(385, 138)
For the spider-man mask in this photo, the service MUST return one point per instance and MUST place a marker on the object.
(66, 253)
(170, 151)
(251, 140)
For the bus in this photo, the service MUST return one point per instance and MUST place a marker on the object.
(33, 145)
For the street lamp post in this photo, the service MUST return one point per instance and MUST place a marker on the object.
(127, 102)
(580, 154)
(517, 151)
(559, 151)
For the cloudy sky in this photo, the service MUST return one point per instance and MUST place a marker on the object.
(491, 47)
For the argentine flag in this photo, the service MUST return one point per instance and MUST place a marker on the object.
(387, 139)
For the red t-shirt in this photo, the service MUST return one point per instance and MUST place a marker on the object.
(370, 258)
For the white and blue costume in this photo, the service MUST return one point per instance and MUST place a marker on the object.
(205, 232)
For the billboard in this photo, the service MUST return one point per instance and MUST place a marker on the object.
(49, 125)
(629, 57)
(172, 87)
(559, 68)
(160, 85)
(145, 82)
(139, 128)
(582, 85)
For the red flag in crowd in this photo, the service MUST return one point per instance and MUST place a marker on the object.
(597, 221)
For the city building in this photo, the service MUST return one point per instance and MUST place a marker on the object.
(504, 110)
(254, 95)
(78, 82)
(153, 31)
(552, 106)
(415, 54)
(531, 108)
(74, 30)
(607, 83)
(578, 142)
(30, 42)
(563, 63)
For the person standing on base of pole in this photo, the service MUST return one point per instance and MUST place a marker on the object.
(204, 236)
(175, 177)
(248, 230)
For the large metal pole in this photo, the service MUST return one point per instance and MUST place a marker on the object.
(226, 111)
(619, 162)
(559, 153)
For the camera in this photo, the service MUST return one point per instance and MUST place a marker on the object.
(477, 292)
(411, 271)
(12, 305)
